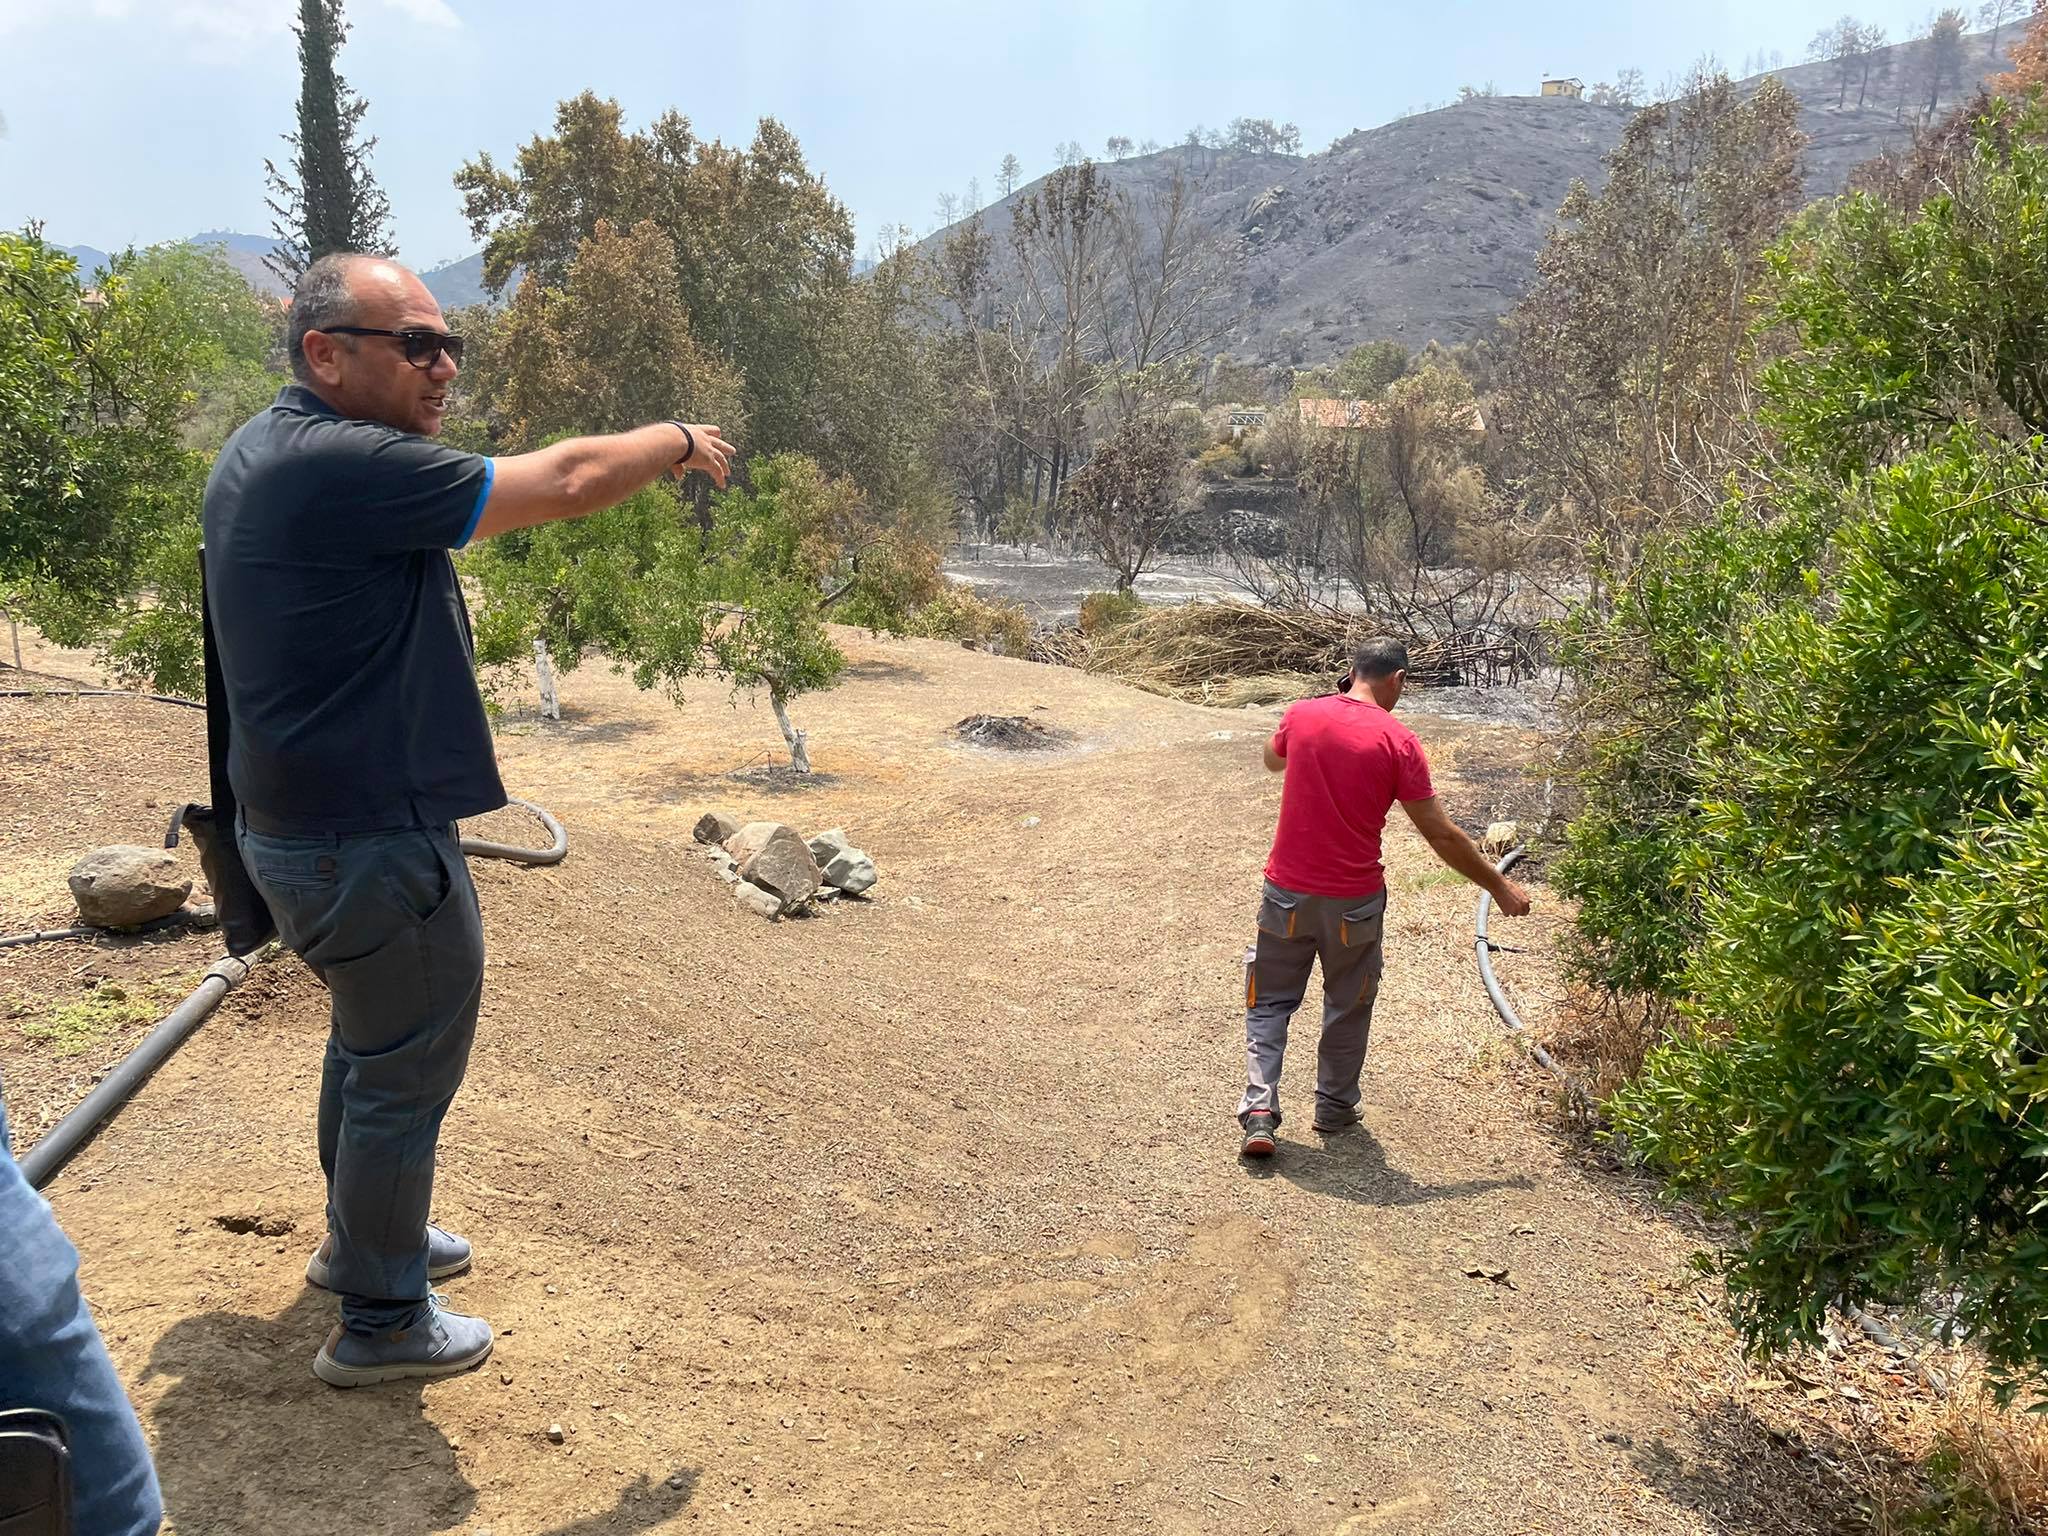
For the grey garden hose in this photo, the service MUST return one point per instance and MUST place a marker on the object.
(1582, 1102)
(554, 854)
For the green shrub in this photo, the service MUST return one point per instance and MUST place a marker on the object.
(957, 613)
(1868, 856)
(1817, 802)
(1106, 610)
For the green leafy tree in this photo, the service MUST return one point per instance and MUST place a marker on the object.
(761, 265)
(610, 348)
(111, 406)
(1824, 828)
(745, 598)
(325, 199)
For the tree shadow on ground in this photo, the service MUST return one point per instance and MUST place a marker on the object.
(669, 785)
(577, 725)
(1352, 1165)
(1742, 1473)
(642, 1506)
(878, 670)
(247, 1439)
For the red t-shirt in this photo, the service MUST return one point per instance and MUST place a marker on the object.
(1348, 761)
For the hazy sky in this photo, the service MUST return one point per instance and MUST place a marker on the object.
(144, 120)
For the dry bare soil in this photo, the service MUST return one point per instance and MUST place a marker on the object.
(923, 1215)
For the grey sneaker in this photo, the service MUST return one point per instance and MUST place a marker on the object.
(1259, 1134)
(438, 1343)
(447, 1255)
(1336, 1117)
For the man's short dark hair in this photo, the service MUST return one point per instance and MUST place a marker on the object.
(1379, 658)
(321, 299)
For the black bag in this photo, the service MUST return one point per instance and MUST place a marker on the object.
(35, 1474)
(245, 920)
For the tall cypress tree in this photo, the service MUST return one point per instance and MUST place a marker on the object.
(329, 201)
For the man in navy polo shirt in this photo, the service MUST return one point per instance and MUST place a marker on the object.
(1347, 761)
(359, 738)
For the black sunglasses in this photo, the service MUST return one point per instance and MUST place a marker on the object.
(421, 347)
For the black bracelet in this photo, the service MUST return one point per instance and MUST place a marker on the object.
(689, 440)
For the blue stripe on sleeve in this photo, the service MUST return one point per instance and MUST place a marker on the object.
(476, 513)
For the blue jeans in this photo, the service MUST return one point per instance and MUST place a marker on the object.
(389, 921)
(51, 1357)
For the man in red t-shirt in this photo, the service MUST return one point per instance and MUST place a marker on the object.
(1347, 760)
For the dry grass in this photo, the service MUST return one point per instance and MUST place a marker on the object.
(1602, 1038)
(1185, 648)
(1237, 653)
(1986, 1469)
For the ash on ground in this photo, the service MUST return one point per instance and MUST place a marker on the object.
(1009, 733)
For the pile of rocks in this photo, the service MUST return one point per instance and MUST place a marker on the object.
(775, 870)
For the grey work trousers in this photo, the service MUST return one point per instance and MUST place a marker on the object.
(1295, 930)
(389, 921)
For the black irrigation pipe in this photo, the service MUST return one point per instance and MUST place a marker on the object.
(49, 1155)
(44, 1160)
(184, 917)
(96, 693)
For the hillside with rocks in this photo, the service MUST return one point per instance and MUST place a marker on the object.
(1429, 227)
(1424, 228)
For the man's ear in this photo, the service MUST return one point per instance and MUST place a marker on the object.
(322, 354)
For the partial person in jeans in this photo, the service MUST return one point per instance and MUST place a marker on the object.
(1347, 760)
(359, 738)
(52, 1358)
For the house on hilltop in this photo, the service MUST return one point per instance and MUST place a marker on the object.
(1567, 85)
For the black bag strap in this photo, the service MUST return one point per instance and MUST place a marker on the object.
(216, 708)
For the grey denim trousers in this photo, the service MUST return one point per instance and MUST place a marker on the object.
(389, 921)
(1295, 931)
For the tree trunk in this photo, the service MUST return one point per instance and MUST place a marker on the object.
(545, 671)
(14, 627)
(799, 751)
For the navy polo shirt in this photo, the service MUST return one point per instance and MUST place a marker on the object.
(342, 633)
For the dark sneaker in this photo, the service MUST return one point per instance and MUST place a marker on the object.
(1259, 1137)
(447, 1255)
(1336, 1117)
(438, 1343)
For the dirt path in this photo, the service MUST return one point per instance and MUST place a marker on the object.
(923, 1215)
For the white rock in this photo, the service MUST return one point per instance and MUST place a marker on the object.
(851, 871)
(756, 900)
(122, 886)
